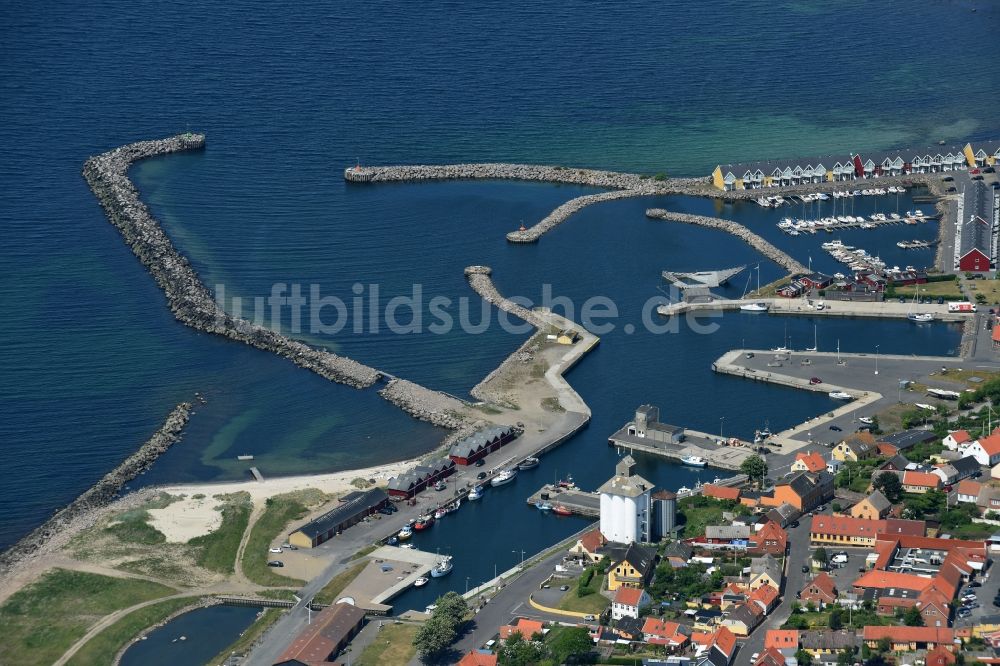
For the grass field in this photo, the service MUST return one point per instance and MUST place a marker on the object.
(331, 591)
(699, 511)
(988, 288)
(102, 648)
(947, 289)
(253, 632)
(593, 603)
(280, 511)
(393, 645)
(41, 621)
(217, 549)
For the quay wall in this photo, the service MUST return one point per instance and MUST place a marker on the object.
(779, 257)
(188, 298)
(101, 493)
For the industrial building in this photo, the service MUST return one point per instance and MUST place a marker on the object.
(354, 507)
(329, 633)
(976, 229)
(469, 449)
(414, 480)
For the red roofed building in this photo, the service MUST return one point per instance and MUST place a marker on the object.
(810, 461)
(769, 539)
(954, 440)
(986, 451)
(770, 657)
(478, 659)
(724, 640)
(939, 657)
(968, 491)
(330, 632)
(588, 544)
(909, 639)
(527, 628)
(782, 639)
(663, 632)
(720, 492)
(851, 531)
(765, 596)
(933, 606)
(628, 602)
(821, 590)
(920, 482)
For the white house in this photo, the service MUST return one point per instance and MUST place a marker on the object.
(956, 440)
(833, 466)
(628, 602)
(968, 491)
(626, 505)
(986, 451)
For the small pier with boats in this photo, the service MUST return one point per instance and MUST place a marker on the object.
(565, 499)
(831, 223)
(646, 434)
(780, 200)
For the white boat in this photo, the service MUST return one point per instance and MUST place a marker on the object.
(442, 568)
(840, 395)
(440, 513)
(543, 506)
(475, 493)
(245, 456)
(694, 461)
(408, 546)
(755, 307)
(920, 317)
(528, 463)
(683, 490)
(405, 533)
(503, 477)
(420, 582)
(866, 420)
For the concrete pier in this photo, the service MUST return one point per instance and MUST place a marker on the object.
(801, 306)
(755, 241)
(579, 502)
(695, 443)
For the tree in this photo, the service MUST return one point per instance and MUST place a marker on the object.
(571, 646)
(518, 652)
(888, 483)
(810, 606)
(837, 618)
(452, 607)
(804, 658)
(819, 555)
(845, 657)
(433, 638)
(912, 617)
(755, 468)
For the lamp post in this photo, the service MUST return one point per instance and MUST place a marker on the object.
(722, 423)
(522, 556)
(876, 359)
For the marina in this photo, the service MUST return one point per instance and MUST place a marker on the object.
(829, 224)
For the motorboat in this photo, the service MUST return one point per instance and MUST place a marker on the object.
(442, 568)
(393, 541)
(504, 477)
(420, 582)
(840, 395)
(423, 523)
(755, 307)
(560, 510)
(694, 461)
(920, 317)
(440, 513)
(568, 482)
(528, 463)
(453, 507)
(475, 493)
(408, 546)
(405, 533)
(543, 506)
(867, 420)
(683, 490)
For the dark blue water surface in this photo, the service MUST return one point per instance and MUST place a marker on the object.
(206, 632)
(289, 95)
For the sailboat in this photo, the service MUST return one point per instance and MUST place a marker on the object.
(815, 346)
(784, 347)
(918, 317)
(759, 306)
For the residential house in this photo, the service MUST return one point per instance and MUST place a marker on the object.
(628, 602)
(933, 606)
(782, 639)
(895, 463)
(766, 598)
(720, 492)
(477, 658)
(671, 635)
(985, 450)
(630, 628)
(907, 439)
(677, 553)
(957, 439)
(859, 446)
(826, 645)
(821, 590)
(770, 657)
(715, 648)
(810, 461)
(706, 619)
(968, 491)
(781, 515)
(770, 539)
(851, 531)
(522, 625)
(833, 466)
(587, 546)
(988, 500)
(939, 656)
(956, 470)
(909, 639)
(873, 507)
(726, 534)
(765, 570)
(634, 569)
(803, 490)
(920, 482)
(744, 619)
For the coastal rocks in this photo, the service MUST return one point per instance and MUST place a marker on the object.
(424, 404)
(764, 247)
(563, 212)
(482, 284)
(189, 299)
(104, 491)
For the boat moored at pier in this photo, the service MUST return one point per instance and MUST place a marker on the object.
(504, 477)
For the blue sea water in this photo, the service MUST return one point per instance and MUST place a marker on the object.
(289, 95)
(206, 632)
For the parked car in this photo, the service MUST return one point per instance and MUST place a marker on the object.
(480, 462)
(836, 428)
(274, 550)
(964, 612)
(794, 523)
(975, 583)
(589, 618)
(481, 476)
(815, 380)
(563, 588)
(805, 569)
(750, 354)
(275, 563)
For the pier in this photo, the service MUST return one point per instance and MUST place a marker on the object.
(576, 501)
(809, 307)
(709, 279)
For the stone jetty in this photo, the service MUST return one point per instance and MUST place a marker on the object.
(190, 301)
(424, 404)
(104, 491)
(753, 240)
(624, 185)
(482, 284)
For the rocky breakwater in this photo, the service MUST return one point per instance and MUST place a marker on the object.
(189, 299)
(82, 511)
(424, 404)
(764, 247)
(482, 284)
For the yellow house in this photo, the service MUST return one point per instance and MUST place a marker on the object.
(765, 570)
(873, 507)
(634, 569)
(859, 446)
(970, 156)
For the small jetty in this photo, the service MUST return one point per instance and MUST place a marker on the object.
(569, 498)
(707, 279)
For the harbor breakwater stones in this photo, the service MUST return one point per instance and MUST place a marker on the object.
(424, 404)
(104, 491)
(783, 259)
(624, 184)
(189, 299)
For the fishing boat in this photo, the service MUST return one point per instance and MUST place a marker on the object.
(528, 463)
(867, 420)
(504, 477)
(420, 582)
(453, 507)
(543, 506)
(440, 513)
(560, 510)
(568, 482)
(694, 461)
(840, 395)
(475, 493)
(920, 317)
(442, 568)
(405, 533)
(683, 490)
(423, 523)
